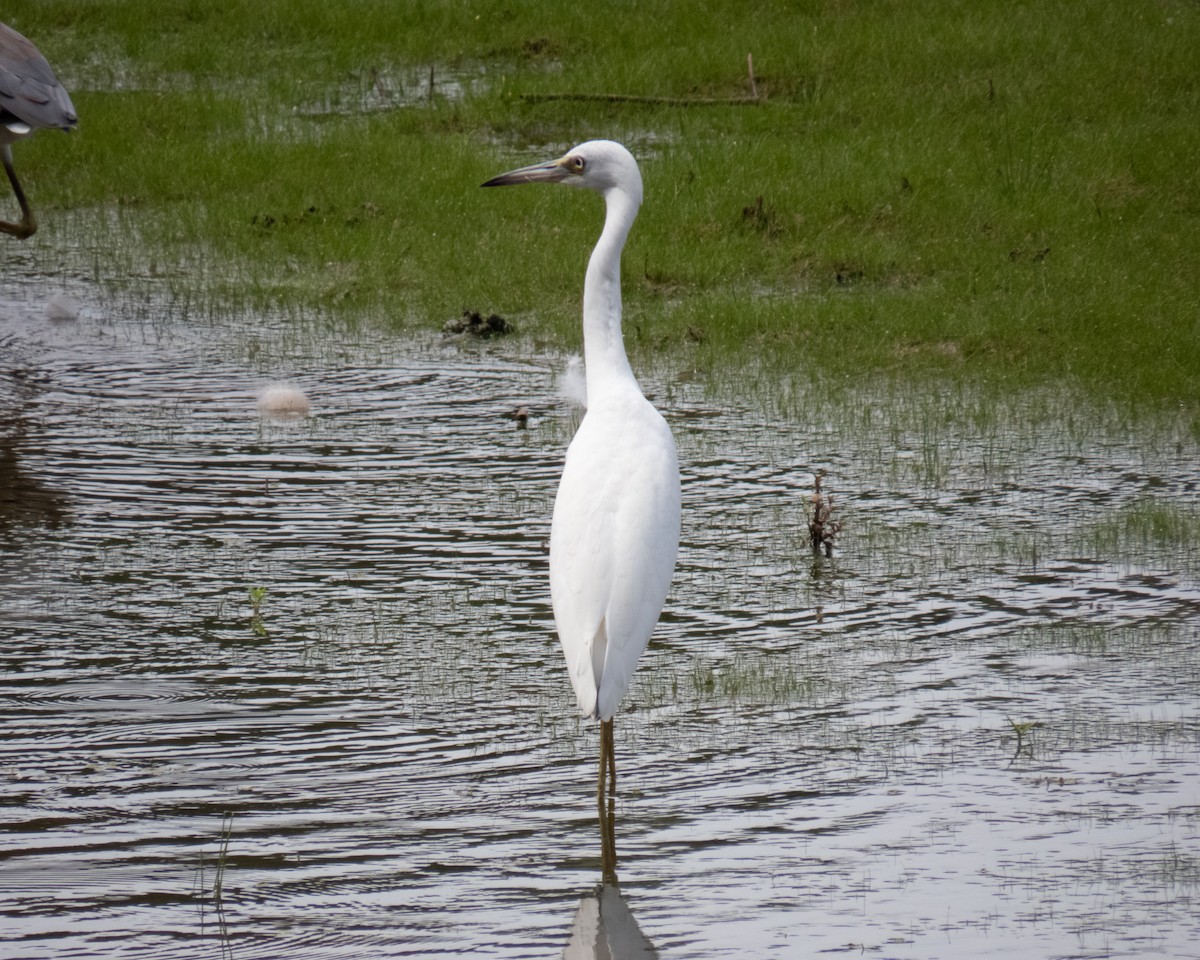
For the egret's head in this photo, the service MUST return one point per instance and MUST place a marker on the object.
(600, 165)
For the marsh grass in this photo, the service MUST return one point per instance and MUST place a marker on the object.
(219, 865)
(747, 678)
(1024, 731)
(218, 891)
(999, 194)
(1148, 527)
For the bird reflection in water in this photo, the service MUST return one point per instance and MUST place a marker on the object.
(25, 499)
(608, 835)
(604, 928)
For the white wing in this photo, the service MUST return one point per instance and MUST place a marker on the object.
(613, 543)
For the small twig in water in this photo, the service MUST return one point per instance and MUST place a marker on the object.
(629, 98)
(750, 68)
(822, 527)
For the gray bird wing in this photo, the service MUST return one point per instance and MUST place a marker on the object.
(28, 88)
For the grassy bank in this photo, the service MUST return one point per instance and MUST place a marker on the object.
(1003, 191)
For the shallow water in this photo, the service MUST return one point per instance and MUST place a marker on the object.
(971, 733)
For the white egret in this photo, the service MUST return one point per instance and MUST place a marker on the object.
(615, 531)
(30, 98)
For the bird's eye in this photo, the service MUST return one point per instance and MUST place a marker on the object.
(577, 164)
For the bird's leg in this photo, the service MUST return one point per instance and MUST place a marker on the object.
(605, 808)
(612, 763)
(603, 768)
(608, 762)
(28, 225)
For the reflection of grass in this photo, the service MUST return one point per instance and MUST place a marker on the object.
(941, 192)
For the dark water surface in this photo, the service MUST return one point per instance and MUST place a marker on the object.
(974, 733)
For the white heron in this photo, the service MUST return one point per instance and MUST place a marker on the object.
(30, 98)
(615, 531)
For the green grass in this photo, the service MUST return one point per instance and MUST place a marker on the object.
(1006, 192)
(1148, 527)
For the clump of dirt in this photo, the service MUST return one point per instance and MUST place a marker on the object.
(476, 325)
(761, 219)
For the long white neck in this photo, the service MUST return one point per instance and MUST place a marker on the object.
(604, 356)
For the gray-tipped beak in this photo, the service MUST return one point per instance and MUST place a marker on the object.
(550, 172)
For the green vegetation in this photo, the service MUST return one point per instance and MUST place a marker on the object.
(1003, 191)
(1024, 730)
(222, 856)
(257, 596)
(1149, 526)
